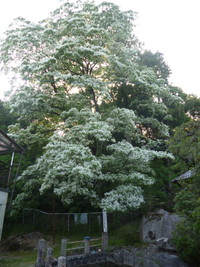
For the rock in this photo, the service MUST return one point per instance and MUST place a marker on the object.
(165, 244)
(160, 224)
(168, 260)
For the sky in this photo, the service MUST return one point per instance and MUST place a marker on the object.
(167, 26)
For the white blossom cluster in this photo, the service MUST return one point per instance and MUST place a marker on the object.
(123, 120)
(70, 167)
(123, 197)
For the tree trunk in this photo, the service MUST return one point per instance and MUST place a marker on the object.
(94, 99)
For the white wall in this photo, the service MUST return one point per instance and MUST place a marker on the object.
(3, 202)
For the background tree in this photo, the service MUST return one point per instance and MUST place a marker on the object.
(192, 107)
(185, 145)
(176, 110)
(157, 63)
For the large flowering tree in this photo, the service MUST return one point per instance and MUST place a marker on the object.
(71, 65)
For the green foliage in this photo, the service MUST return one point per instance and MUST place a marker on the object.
(186, 202)
(176, 109)
(6, 118)
(192, 106)
(186, 237)
(126, 235)
(186, 240)
(161, 193)
(156, 62)
(185, 145)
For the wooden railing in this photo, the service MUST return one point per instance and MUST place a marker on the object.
(87, 246)
(84, 245)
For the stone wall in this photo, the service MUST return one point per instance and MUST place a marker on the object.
(80, 260)
(133, 257)
(147, 257)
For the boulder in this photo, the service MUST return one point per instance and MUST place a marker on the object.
(159, 225)
(164, 244)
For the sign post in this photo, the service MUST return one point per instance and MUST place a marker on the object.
(105, 221)
(105, 231)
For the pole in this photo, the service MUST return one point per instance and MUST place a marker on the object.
(16, 175)
(105, 221)
(105, 231)
(10, 170)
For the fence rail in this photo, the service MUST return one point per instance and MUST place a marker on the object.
(82, 242)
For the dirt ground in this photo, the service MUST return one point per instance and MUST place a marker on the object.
(21, 242)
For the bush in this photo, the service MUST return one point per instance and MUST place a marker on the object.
(186, 238)
(187, 242)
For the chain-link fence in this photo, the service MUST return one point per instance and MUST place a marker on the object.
(71, 222)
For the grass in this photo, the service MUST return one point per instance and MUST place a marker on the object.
(18, 258)
(126, 235)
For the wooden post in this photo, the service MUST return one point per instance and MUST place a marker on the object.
(62, 261)
(49, 258)
(41, 253)
(105, 240)
(63, 247)
(86, 245)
